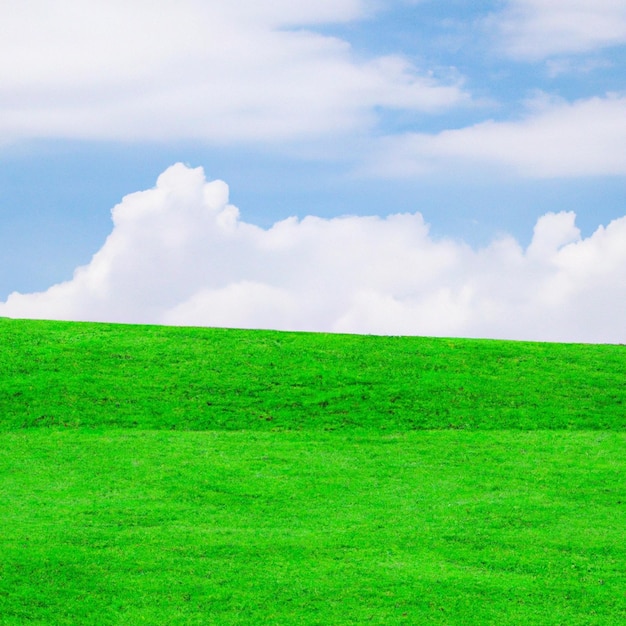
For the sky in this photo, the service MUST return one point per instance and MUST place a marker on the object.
(420, 167)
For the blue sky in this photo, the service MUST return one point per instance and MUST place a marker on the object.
(488, 121)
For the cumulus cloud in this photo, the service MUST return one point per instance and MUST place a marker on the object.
(536, 29)
(202, 69)
(181, 254)
(554, 139)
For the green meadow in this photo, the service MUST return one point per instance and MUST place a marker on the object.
(153, 475)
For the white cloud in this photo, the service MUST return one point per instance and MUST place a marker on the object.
(574, 65)
(180, 254)
(536, 29)
(202, 69)
(554, 139)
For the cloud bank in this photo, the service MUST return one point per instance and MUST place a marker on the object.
(181, 254)
(555, 139)
(535, 29)
(207, 70)
(244, 72)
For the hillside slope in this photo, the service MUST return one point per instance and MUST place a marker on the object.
(64, 374)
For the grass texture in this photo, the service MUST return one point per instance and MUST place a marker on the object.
(150, 377)
(185, 476)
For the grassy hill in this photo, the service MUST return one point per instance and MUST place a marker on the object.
(156, 475)
(103, 375)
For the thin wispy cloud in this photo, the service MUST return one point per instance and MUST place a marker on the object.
(554, 139)
(213, 71)
(250, 73)
(537, 29)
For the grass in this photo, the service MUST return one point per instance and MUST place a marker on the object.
(150, 377)
(195, 476)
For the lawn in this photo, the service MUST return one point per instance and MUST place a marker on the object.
(197, 476)
(59, 374)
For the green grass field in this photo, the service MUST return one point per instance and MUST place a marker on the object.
(157, 475)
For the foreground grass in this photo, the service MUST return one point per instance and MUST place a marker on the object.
(447, 527)
(155, 475)
(56, 374)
